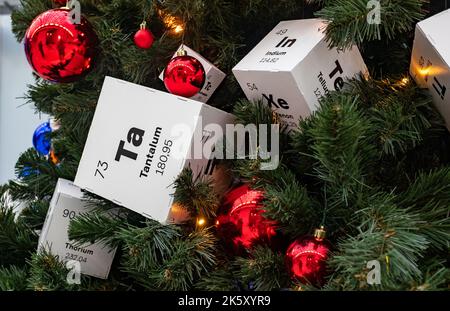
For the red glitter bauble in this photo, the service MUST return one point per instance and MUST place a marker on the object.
(144, 38)
(306, 258)
(244, 224)
(59, 50)
(184, 76)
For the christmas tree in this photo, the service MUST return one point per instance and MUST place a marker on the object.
(370, 165)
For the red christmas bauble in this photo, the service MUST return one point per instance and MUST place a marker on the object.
(144, 38)
(59, 50)
(244, 225)
(306, 258)
(184, 76)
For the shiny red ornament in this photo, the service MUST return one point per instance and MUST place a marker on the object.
(59, 50)
(184, 75)
(144, 38)
(306, 258)
(244, 224)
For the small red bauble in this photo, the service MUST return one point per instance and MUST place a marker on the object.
(144, 38)
(184, 75)
(306, 258)
(59, 50)
(244, 224)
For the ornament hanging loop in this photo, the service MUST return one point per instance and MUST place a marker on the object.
(67, 6)
(181, 51)
(320, 234)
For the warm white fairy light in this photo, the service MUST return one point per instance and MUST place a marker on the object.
(201, 222)
(171, 22)
(405, 81)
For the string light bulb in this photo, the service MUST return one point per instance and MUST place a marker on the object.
(404, 81)
(201, 222)
(178, 29)
(424, 71)
(172, 23)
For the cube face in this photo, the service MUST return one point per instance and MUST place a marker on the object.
(282, 49)
(278, 90)
(214, 76)
(325, 70)
(430, 60)
(95, 259)
(434, 29)
(138, 144)
(292, 68)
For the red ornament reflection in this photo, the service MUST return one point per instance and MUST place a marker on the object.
(59, 50)
(184, 76)
(244, 224)
(306, 259)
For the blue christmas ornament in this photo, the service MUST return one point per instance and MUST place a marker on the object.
(28, 171)
(41, 138)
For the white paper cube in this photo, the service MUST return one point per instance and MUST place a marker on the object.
(214, 76)
(431, 60)
(292, 68)
(139, 142)
(95, 259)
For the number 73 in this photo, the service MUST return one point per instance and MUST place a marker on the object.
(101, 167)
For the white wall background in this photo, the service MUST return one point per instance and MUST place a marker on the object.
(17, 119)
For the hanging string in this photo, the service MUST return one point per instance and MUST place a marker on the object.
(183, 33)
(325, 209)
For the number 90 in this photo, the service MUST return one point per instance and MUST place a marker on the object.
(70, 214)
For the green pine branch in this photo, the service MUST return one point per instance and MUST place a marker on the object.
(17, 241)
(13, 279)
(265, 270)
(348, 20)
(184, 263)
(196, 195)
